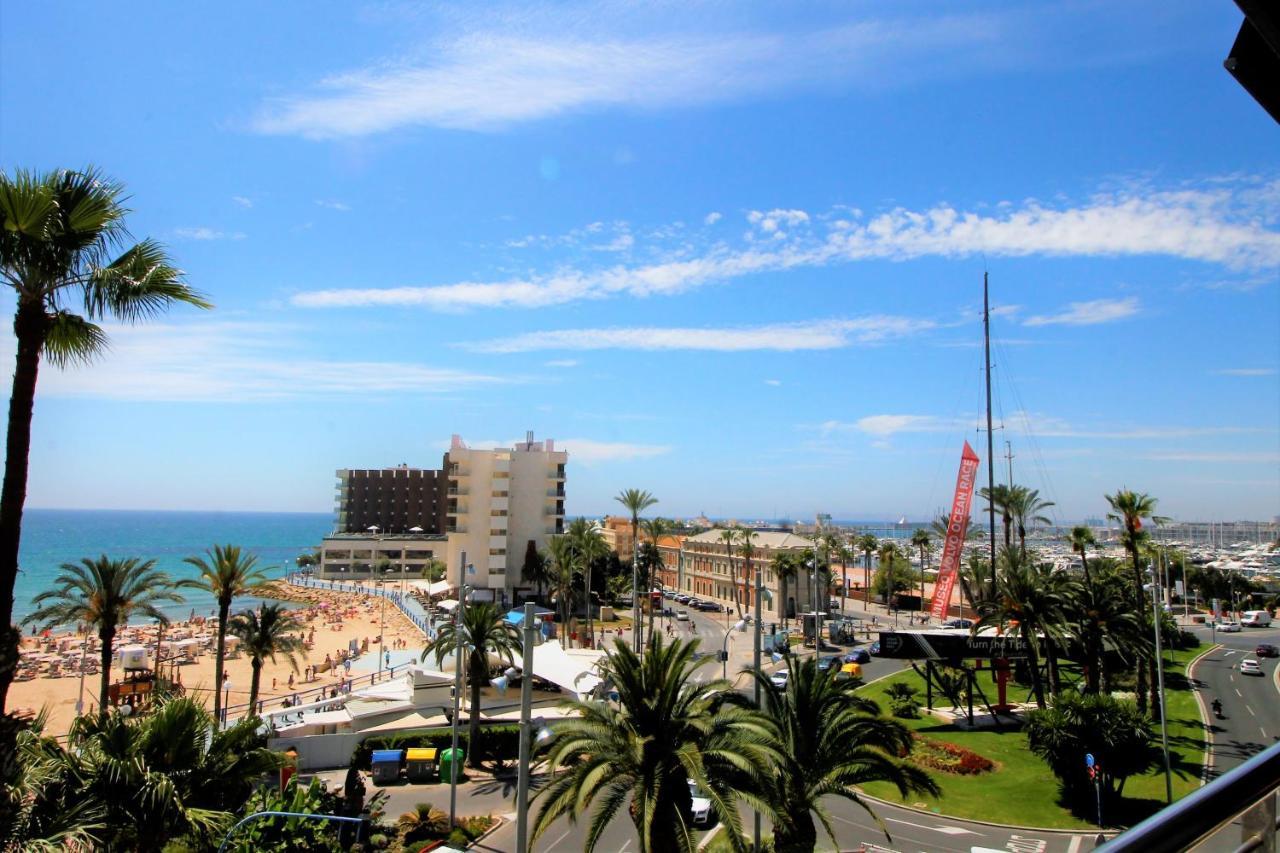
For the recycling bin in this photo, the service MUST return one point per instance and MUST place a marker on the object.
(451, 763)
(386, 765)
(421, 765)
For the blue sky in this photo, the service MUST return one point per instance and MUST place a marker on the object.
(731, 254)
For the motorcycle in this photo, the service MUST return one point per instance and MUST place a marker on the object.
(1217, 708)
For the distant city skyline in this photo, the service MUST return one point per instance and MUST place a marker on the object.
(732, 256)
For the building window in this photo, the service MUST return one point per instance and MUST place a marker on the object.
(497, 552)
(498, 513)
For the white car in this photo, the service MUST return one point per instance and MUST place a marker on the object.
(1249, 666)
(779, 679)
(701, 806)
(1230, 628)
(682, 616)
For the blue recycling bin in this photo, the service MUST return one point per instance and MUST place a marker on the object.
(386, 765)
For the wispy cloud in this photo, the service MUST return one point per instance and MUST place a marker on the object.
(784, 337)
(712, 218)
(561, 362)
(333, 204)
(773, 382)
(1088, 313)
(489, 80)
(243, 201)
(1246, 371)
(1212, 225)
(202, 233)
(1244, 458)
(1038, 425)
(227, 361)
(590, 451)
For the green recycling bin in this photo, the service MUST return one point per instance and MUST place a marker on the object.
(448, 759)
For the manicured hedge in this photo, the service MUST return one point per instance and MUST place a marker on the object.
(497, 742)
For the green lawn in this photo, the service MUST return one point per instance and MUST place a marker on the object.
(1021, 790)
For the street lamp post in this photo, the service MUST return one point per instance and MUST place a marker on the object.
(755, 657)
(84, 646)
(739, 626)
(526, 735)
(1164, 724)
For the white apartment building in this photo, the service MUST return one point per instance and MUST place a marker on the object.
(497, 502)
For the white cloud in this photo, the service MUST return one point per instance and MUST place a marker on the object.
(1246, 458)
(1037, 425)
(589, 451)
(712, 218)
(561, 362)
(226, 361)
(773, 382)
(202, 233)
(489, 80)
(887, 425)
(1088, 313)
(783, 337)
(242, 200)
(1209, 226)
(333, 204)
(1247, 371)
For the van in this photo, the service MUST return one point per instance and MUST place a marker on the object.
(1256, 619)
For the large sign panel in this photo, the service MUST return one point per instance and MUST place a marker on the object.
(949, 645)
(957, 525)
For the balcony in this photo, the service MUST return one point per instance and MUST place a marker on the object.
(456, 490)
(556, 492)
(499, 503)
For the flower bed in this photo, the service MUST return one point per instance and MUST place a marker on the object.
(949, 758)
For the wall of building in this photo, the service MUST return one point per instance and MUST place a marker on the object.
(392, 499)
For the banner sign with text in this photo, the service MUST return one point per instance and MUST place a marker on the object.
(957, 525)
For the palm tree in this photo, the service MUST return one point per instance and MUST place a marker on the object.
(1028, 604)
(921, 540)
(748, 548)
(536, 567)
(868, 545)
(836, 550)
(655, 528)
(564, 563)
(226, 574)
(58, 232)
(1001, 497)
(665, 731)
(1081, 537)
(104, 593)
(829, 741)
(172, 773)
(587, 540)
(481, 631)
(635, 501)
(729, 536)
(1105, 615)
(1026, 507)
(262, 633)
(1129, 508)
(887, 557)
(785, 566)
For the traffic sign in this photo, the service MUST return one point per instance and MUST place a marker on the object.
(1088, 759)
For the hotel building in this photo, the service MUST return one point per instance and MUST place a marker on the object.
(486, 504)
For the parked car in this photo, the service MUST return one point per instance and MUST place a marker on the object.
(700, 806)
(682, 616)
(779, 679)
(693, 602)
(1249, 666)
(966, 624)
(874, 648)
(850, 670)
(857, 656)
(709, 606)
(682, 598)
(1230, 628)
(1266, 650)
(826, 663)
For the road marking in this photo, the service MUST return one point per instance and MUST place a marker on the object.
(623, 848)
(1074, 846)
(1264, 731)
(1232, 677)
(555, 845)
(1226, 655)
(945, 830)
(1250, 710)
(1022, 844)
(1238, 693)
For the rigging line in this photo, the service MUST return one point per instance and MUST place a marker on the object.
(1037, 454)
(953, 415)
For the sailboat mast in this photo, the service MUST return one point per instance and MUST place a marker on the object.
(991, 462)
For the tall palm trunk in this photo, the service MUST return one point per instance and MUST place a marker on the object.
(224, 609)
(844, 581)
(797, 834)
(591, 634)
(1037, 682)
(866, 581)
(1092, 642)
(30, 327)
(479, 669)
(636, 624)
(254, 681)
(1141, 686)
(107, 634)
(782, 593)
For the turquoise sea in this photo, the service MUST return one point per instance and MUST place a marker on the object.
(51, 537)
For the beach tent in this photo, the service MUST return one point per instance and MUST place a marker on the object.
(441, 587)
(448, 604)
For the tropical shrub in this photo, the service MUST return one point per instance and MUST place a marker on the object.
(425, 822)
(902, 700)
(280, 835)
(1114, 731)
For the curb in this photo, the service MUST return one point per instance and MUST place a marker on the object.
(1207, 765)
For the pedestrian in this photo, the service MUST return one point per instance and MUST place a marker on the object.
(291, 681)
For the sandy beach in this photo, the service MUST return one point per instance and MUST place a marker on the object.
(329, 620)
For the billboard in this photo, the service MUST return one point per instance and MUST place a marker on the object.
(949, 645)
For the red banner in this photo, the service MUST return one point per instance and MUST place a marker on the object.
(949, 567)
